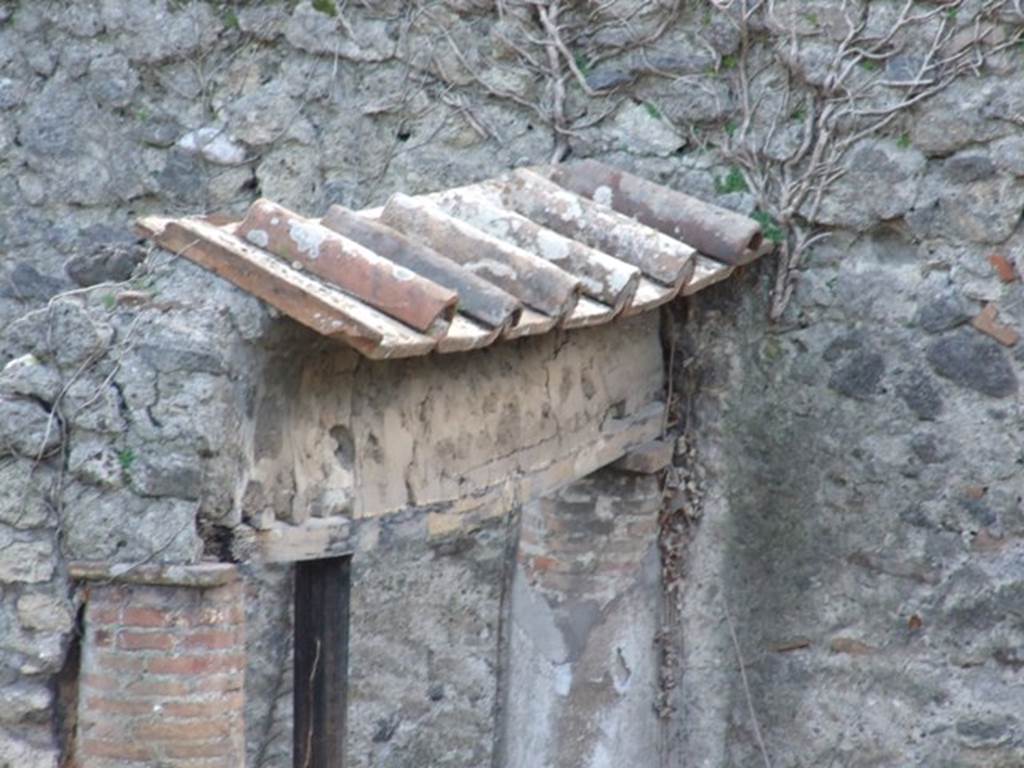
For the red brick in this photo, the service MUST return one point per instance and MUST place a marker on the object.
(184, 731)
(103, 638)
(212, 640)
(543, 564)
(194, 665)
(219, 683)
(142, 616)
(1003, 267)
(119, 662)
(119, 706)
(200, 709)
(119, 750)
(100, 682)
(103, 614)
(117, 728)
(145, 641)
(150, 687)
(184, 750)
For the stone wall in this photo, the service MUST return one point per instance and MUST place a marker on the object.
(859, 462)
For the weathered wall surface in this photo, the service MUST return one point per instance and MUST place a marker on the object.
(862, 520)
(860, 461)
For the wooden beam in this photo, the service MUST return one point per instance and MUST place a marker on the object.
(322, 592)
(331, 537)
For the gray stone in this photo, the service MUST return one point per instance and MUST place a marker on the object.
(163, 473)
(26, 427)
(968, 166)
(19, 750)
(112, 81)
(24, 487)
(1008, 154)
(859, 376)
(113, 263)
(988, 732)
(27, 376)
(24, 282)
(159, 131)
(880, 183)
(12, 93)
(154, 32)
(927, 449)
(214, 145)
(943, 312)
(161, 530)
(75, 334)
(24, 701)
(79, 20)
(985, 211)
(683, 102)
(178, 177)
(840, 345)
(32, 187)
(920, 394)
(83, 153)
(94, 461)
(92, 405)
(269, 114)
(44, 612)
(181, 348)
(315, 32)
(608, 78)
(639, 129)
(27, 562)
(291, 175)
(262, 22)
(975, 362)
(958, 116)
(75, 58)
(40, 57)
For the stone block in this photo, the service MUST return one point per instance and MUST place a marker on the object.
(647, 458)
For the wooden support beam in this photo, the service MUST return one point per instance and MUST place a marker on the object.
(322, 592)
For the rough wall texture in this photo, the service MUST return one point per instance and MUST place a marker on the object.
(861, 461)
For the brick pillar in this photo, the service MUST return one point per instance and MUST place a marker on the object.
(582, 677)
(163, 668)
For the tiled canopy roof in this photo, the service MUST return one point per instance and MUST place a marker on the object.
(562, 246)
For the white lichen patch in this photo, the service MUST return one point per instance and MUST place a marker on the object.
(401, 273)
(492, 267)
(258, 237)
(552, 246)
(603, 195)
(306, 238)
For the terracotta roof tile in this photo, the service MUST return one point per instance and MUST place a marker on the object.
(567, 246)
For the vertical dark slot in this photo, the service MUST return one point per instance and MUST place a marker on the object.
(322, 589)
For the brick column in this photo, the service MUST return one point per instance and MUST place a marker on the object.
(582, 663)
(163, 667)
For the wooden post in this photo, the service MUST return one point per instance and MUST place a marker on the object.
(322, 589)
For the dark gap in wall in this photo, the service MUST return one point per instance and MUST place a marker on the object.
(499, 753)
(217, 540)
(65, 719)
